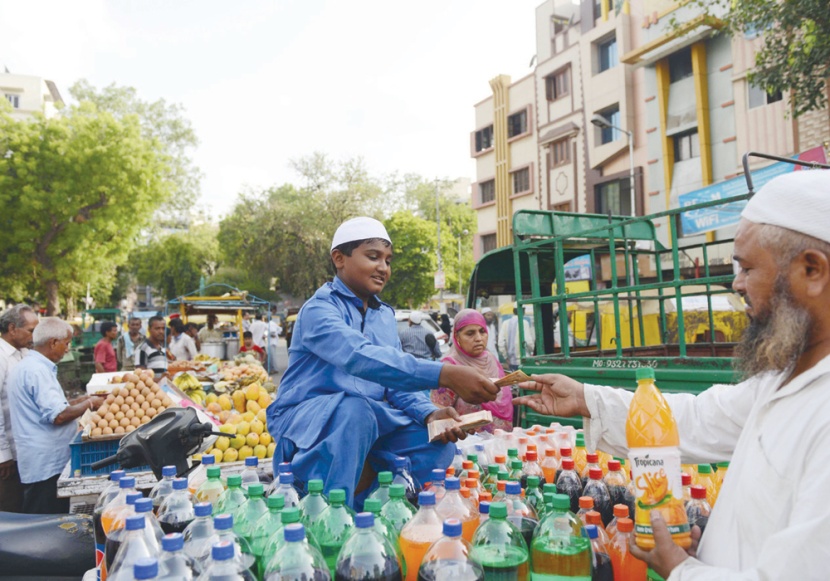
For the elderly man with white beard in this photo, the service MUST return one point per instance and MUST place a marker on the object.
(772, 520)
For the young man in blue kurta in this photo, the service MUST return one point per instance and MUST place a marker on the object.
(350, 396)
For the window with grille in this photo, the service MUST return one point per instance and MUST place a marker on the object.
(560, 152)
(686, 145)
(13, 99)
(484, 138)
(487, 191)
(521, 181)
(558, 85)
(607, 54)
(488, 243)
(517, 124)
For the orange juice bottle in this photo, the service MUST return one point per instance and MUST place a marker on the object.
(419, 533)
(580, 455)
(655, 463)
(707, 479)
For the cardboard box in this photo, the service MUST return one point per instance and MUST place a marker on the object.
(645, 266)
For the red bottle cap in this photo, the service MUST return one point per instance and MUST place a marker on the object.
(595, 473)
(625, 525)
(567, 464)
(531, 455)
(592, 517)
(614, 465)
(586, 502)
(566, 451)
(500, 485)
(467, 464)
(500, 459)
(686, 479)
(592, 458)
(620, 511)
(698, 491)
(550, 452)
(532, 447)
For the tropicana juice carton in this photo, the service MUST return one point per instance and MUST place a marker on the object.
(653, 445)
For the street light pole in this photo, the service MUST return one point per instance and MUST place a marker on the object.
(604, 123)
(438, 226)
(463, 233)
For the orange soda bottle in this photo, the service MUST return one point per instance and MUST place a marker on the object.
(550, 465)
(653, 444)
(419, 533)
(626, 566)
(453, 505)
(580, 455)
(707, 479)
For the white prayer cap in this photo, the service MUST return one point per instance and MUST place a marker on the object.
(798, 201)
(416, 317)
(359, 229)
(486, 310)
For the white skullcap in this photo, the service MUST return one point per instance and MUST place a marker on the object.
(486, 310)
(360, 228)
(798, 201)
(416, 317)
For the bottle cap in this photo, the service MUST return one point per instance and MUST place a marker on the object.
(531, 456)
(474, 474)
(452, 483)
(438, 475)
(172, 542)
(222, 551)
(625, 525)
(450, 471)
(532, 448)
(512, 452)
(372, 505)
(466, 465)
(284, 467)
(208, 459)
(235, 480)
(135, 522)
(523, 440)
(134, 497)
(385, 477)
(500, 459)
(452, 528)
(168, 470)
(644, 373)
(275, 501)
(484, 507)
(550, 452)
(252, 461)
(465, 492)
(500, 485)
(498, 510)
(493, 469)
(397, 491)
(203, 509)
(214, 472)
(565, 451)
(315, 485)
(614, 465)
(685, 479)
(595, 473)
(592, 531)
(561, 501)
(592, 517)
(704, 469)
(178, 483)
(592, 458)
(223, 522)
(126, 482)
(473, 458)
(290, 515)
(144, 505)
(567, 464)
(286, 478)
(580, 440)
(586, 502)
(146, 568)
(427, 498)
(698, 491)
(516, 464)
(513, 487)
(399, 462)
(471, 483)
(480, 447)
(364, 520)
(621, 511)
(548, 487)
(255, 491)
(503, 474)
(337, 496)
(723, 464)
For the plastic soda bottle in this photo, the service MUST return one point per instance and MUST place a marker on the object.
(232, 498)
(385, 528)
(107, 495)
(266, 527)
(176, 511)
(591, 461)
(472, 485)
(403, 476)
(616, 482)
(437, 484)
(706, 478)
(419, 533)
(499, 548)
(146, 568)
(531, 468)
(314, 503)
(224, 565)
(580, 454)
(135, 545)
(296, 559)
(655, 462)
(533, 495)
(620, 511)
(174, 564)
(550, 465)
(246, 516)
(285, 485)
(163, 487)
(569, 483)
(483, 457)
(586, 503)
(476, 466)
(592, 517)
(448, 559)
(117, 532)
(384, 482)
(519, 512)
(559, 548)
(565, 452)
(398, 511)
(199, 474)
(126, 485)
(454, 506)
(686, 479)
(483, 511)
(457, 459)
(333, 527)
(601, 569)
(489, 481)
(223, 531)
(212, 488)
(198, 536)
(698, 509)
(597, 490)
(626, 566)
(367, 555)
(250, 475)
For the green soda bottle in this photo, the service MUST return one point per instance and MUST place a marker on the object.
(333, 527)
(516, 466)
(296, 559)
(498, 547)
(491, 479)
(474, 459)
(384, 484)
(232, 498)
(211, 489)
(560, 548)
(384, 527)
(533, 495)
(288, 516)
(313, 504)
(248, 514)
(398, 511)
(265, 528)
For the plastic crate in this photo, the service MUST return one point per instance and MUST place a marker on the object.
(85, 454)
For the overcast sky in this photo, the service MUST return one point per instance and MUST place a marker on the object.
(267, 81)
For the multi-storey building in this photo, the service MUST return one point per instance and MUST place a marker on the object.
(29, 95)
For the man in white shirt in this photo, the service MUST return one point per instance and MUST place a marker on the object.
(771, 519)
(16, 327)
(274, 332)
(259, 329)
(509, 340)
(181, 344)
(492, 330)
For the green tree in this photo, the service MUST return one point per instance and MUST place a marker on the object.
(175, 264)
(414, 261)
(75, 190)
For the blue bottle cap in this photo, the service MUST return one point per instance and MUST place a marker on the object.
(480, 447)
(134, 497)
(399, 462)
(286, 478)
(452, 528)
(364, 520)
(438, 475)
(426, 498)
(452, 483)
(146, 568)
(592, 531)
(458, 452)
(223, 522)
(294, 532)
(144, 505)
(169, 470)
(284, 467)
(484, 507)
(179, 483)
(252, 461)
(172, 542)
(117, 475)
(127, 482)
(513, 487)
(222, 551)
(203, 509)
(135, 522)
(208, 459)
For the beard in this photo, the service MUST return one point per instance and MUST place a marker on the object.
(776, 338)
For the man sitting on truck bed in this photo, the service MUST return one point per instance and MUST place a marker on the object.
(771, 519)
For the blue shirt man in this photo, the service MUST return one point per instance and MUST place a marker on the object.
(350, 397)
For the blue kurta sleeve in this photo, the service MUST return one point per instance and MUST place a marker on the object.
(415, 404)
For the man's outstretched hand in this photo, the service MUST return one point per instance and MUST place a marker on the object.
(469, 384)
(558, 396)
